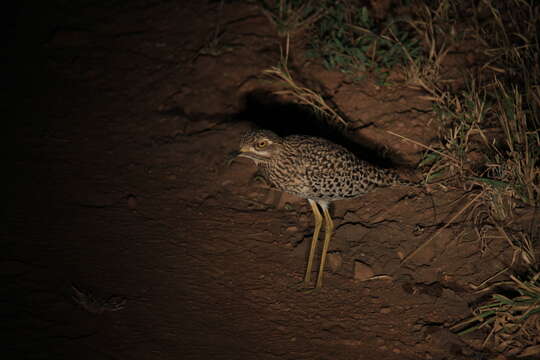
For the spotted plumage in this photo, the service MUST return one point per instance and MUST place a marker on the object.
(315, 169)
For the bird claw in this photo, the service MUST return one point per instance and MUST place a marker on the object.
(304, 287)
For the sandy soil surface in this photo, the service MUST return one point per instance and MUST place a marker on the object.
(123, 186)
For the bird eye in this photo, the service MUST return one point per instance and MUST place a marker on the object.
(261, 144)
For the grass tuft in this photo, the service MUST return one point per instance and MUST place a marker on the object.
(492, 127)
(348, 39)
(290, 17)
(303, 95)
(512, 316)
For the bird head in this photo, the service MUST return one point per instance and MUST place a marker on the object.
(259, 145)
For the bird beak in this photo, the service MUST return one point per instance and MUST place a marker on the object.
(243, 152)
(244, 149)
(247, 152)
(246, 155)
(233, 155)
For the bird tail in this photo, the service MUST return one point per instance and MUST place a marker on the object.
(405, 182)
(393, 179)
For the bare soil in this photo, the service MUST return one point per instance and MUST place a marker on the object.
(123, 185)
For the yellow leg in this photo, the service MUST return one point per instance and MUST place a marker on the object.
(329, 228)
(318, 223)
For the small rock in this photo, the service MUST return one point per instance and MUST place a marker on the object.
(443, 340)
(385, 310)
(292, 229)
(335, 260)
(362, 271)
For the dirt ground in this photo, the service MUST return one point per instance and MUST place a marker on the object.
(123, 186)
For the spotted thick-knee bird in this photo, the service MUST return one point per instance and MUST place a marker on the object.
(317, 170)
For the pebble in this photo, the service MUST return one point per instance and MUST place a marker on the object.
(362, 271)
(291, 229)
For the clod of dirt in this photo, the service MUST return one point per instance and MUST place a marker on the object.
(335, 260)
(362, 271)
(292, 229)
(446, 342)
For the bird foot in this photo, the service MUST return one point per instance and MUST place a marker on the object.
(304, 287)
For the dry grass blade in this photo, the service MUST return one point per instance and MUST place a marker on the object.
(302, 94)
(522, 246)
(449, 157)
(521, 166)
(426, 72)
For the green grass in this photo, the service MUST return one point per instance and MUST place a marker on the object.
(348, 39)
(512, 316)
(290, 17)
(496, 116)
(345, 37)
